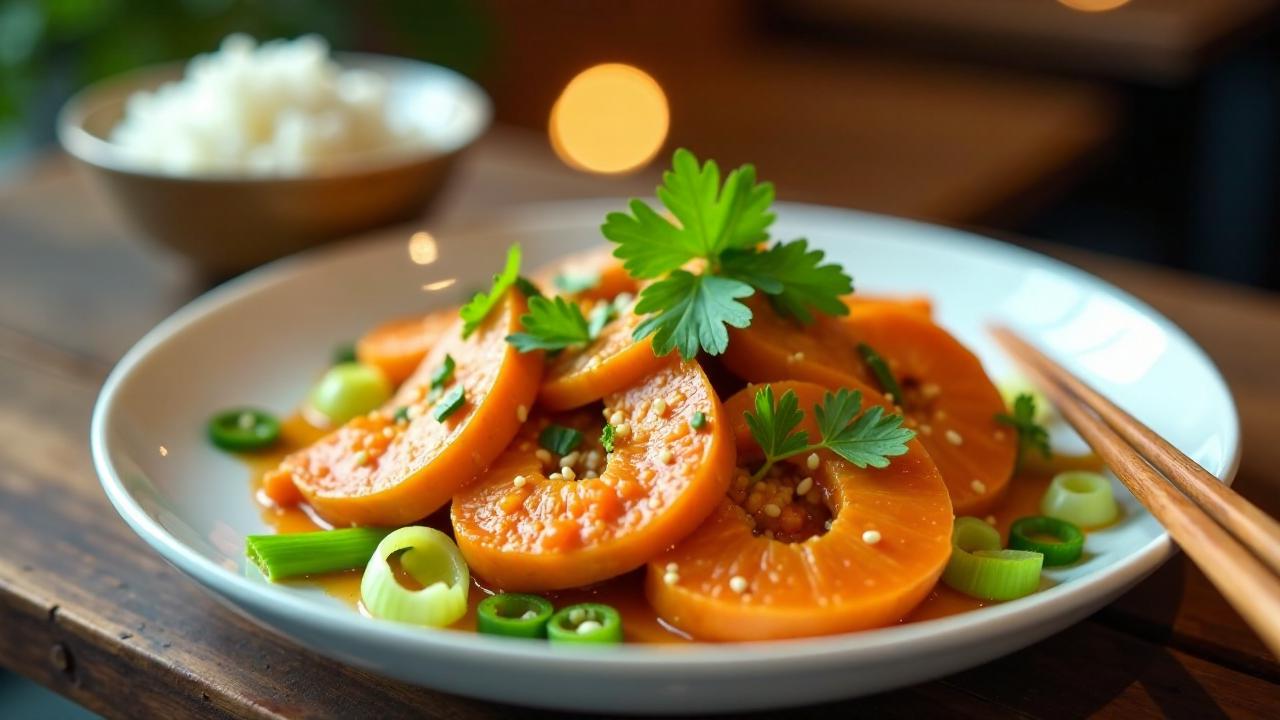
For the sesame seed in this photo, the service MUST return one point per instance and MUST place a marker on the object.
(930, 390)
(979, 487)
(617, 418)
(671, 578)
(796, 357)
(871, 537)
(811, 462)
(804, 486)
(667, 457)
(654, 503)
(568, 473)
(926, 429)
(519, 481)
(889, 396)
(774, 577)
(990, 519)
(522, 413)
(414, 412)
(826, 525)
(542, 455)
(571, 459)
(622, 430)
(673, 567)
(577, 615)
(954, 437)
(772, 510)
(659, 407)
(529, 615)
(360, 458)
(588, 626)
(555, 476)
(245, 421)
(738, 584)
(388, 432)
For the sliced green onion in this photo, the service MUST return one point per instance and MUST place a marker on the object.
(607, 438)
(401, 414)
(243, 429)
(979, 568)
(312, 553)
(348, 390)
(1014, 385)
(590, 623)
(1067, 549)
(344, 353)
(514, 615)
(444, 373)
(559, 439)
(698, 420)
(876, 363)
(1080, 497)
(430, 558)
(450, 403)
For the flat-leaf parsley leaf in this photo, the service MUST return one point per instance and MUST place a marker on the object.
(1031, 435)
(475, 311)
(552, 324)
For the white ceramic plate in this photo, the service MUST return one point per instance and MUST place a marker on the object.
(263, 338)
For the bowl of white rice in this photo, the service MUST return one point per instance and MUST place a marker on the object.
(255, 151)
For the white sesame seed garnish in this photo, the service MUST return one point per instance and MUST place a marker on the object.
(522, 413)
(571, 460)
(245, 421)
(871, 537)
(589, 626)
(826, 525)
(673, 567)
(889, 396)
(999, 435)
(568, 473)
(804, 486)
(617, 417)
(930, 390)
(555, 476)
(590, 475)
(954, 437)
(622, 430)
(659, 407)
(926, 429)
(667, 457)
(738, 584)
(811, 462)
(519, 481)
(543, 455)
(529, 615)
(360, 458)
(577, 615)
(772, 510)
(796, 357)
(654, 503)
(979, 487)
(671, 578)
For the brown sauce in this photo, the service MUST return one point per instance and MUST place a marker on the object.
(626, 593)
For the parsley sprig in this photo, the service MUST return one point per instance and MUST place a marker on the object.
(723, 226)
(868, 439)
(1031, 435)
(552, 324)
(480, 305)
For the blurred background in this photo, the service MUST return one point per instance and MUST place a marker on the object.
(1145, 128)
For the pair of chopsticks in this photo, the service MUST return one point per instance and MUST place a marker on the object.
(1234, 543)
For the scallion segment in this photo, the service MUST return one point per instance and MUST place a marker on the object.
(1081, 498)
(876, 363)
(348, 390)
(586, 623)
(450, 403)
(243, 430)
(280, 557)
(559, 439)
(980, 569)
(514, 615)
(1066, 548)
(434, 562)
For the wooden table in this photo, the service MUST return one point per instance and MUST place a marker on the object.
(89, 611)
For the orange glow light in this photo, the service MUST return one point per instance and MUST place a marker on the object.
(611, 118)
(422, 248)
(1093, 5)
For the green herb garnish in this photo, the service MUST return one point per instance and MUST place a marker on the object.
(450, 403)
(577, 282)
(559, 439)
(401, 414)
(1031, 435)
(607, 438)
(444, 373)
(723, 226)
(869, 439)
(475, 311)
(876, 363)
(601, 314)
(344, 353)
(552, 324)
(698, 420)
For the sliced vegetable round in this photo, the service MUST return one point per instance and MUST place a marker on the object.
(433, 561)
(980, 569)
(243, 429)
(1081, 498)
(1024, 534)
(591, 623)
(348, 390)
(514, 615)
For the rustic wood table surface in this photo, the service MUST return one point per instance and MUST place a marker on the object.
(88, 610)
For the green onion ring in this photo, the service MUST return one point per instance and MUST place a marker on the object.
(243, 430)
(1083, 499)
(1066, 550)
(514, 615)
(432, 559)
(587, 623)
(980, 569)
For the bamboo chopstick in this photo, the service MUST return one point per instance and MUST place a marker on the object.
(1254, 528)
(1244, 580)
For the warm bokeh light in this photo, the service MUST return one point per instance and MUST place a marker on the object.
(611, 118)
(423, 249)
(1094, 5)
(439, 284)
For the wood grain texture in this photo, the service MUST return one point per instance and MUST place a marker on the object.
(137, 638)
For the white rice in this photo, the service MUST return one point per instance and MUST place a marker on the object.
(280, 108)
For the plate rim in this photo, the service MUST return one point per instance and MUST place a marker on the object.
(883, 644)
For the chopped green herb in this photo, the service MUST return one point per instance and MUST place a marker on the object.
(698, 420)
(475, 311)
(1031, 435)
(868, 439)
(559, 439)
(577, 282)
(601, 314)
(444, 373)
(344, 353)
(553, 324)
(880, 369)
(402, 414)
(793, 277)
(449, 403)
(607, 438)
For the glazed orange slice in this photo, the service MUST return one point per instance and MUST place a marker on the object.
(398, 346)
(611, 362)
(525, 525)
(381, 470)
(889, 538)
(948, 400)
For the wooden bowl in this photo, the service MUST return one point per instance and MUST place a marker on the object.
(228, 223)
